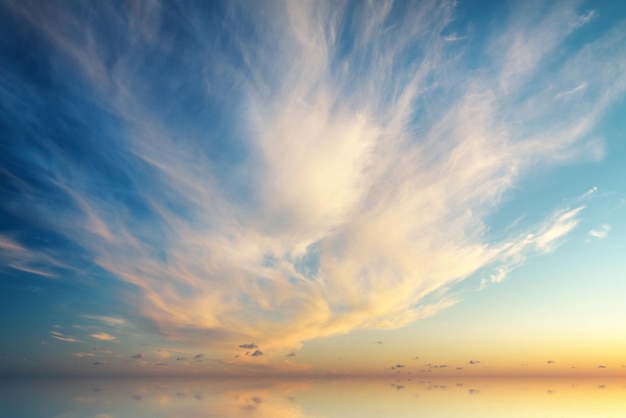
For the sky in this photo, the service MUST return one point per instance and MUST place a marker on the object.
(312, 188)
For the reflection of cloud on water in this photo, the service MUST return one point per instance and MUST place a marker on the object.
(252, 403)
(322, 397)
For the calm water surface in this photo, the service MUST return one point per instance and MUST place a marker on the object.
(155, 398)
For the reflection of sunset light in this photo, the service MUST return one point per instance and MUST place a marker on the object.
(323, 398)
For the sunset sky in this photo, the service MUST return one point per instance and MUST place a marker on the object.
(313, 188)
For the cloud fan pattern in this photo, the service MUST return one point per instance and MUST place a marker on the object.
(304, 168)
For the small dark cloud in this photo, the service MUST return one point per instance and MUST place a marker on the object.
(257, 400)
(250, 346)
(181, 358)
(399, 366)
(99, 363)
(292, 354)
(399, 387)
(198, 356)
(550, 362)
(379, 342)
(601, 367)
(415, 358)
(248, 407)
(236, 355)
(474, 362)
(459, 368)
(257, 353)
(443, 366)
(474, 391)
(139, 355)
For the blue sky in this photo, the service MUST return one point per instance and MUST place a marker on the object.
(180, 179)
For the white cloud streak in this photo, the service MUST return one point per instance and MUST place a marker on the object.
(544, 240)
(15, 255)
(108, 320)
(600, 232)
(369, 167)
(102, 336)
(61, 337)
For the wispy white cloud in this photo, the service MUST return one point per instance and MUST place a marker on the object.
(108, 320)
(565, 94)
(61, 337)
(104, 352)
(361, 172)
(83, 354)
(16, 256)
(102, 336)
(453, 37)
(544, 239)
(588, 193)
(600, 232)
(581, 20)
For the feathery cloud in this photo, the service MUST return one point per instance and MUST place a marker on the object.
(600, 232)
(103, 336)
(16, 256)
(61, 337)
(80, 355)
(108, 320)
(292, 187)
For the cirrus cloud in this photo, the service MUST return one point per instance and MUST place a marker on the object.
(102, 336)
(333, 169)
